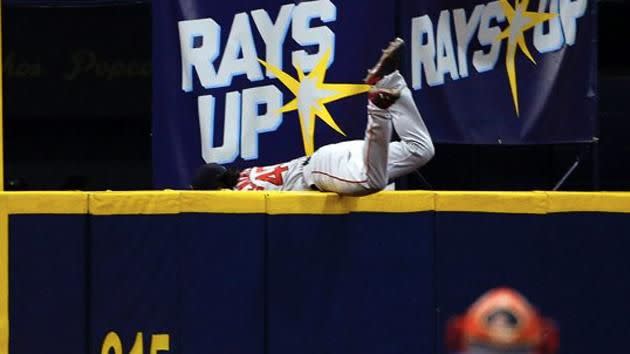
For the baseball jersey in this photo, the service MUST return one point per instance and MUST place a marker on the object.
(286, 176)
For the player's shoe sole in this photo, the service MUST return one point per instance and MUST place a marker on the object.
(387, 63)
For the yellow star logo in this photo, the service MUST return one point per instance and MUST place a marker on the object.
(520, 21)
(311, 95)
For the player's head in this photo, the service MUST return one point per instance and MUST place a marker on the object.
(501, 321)
(213, 176)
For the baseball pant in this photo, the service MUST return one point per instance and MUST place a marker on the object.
(365, 166)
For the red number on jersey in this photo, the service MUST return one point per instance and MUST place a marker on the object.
(274, 176)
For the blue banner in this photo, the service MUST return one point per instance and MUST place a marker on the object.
(216, 97)
(496, 72)
(252, 83)
(73, 3)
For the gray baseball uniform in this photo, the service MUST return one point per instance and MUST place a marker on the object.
(356, 167)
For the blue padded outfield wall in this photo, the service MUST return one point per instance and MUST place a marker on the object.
(286, 273)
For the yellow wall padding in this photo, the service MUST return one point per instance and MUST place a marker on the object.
(275, 203)
(134, 203)
(559, 202)
(329, 203)
(47, 203)
(223, 202)
(4, 276)
(492, 202)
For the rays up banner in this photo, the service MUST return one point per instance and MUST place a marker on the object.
(253, 82)
(260, 82)
(493, 72)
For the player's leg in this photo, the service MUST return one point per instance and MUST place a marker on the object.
(357, 167)
(354, 167)
(415, 147)
(377, 137)
(362, 168)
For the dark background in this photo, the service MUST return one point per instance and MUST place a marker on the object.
(77, 110)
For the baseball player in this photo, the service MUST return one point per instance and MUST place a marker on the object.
(356, 167)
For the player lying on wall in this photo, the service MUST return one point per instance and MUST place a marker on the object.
(356, 167)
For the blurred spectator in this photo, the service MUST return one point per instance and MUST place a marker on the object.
(501, 321)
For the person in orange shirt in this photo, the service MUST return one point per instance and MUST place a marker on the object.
(502, 321)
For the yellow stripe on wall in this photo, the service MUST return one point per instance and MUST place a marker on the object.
(4, 276)
(279, 203)
(47, 202)
(223, 202)
(305, 203)
(276, 203)
(492, 202)
(395, 202)
(562, 202)
(133, 203)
